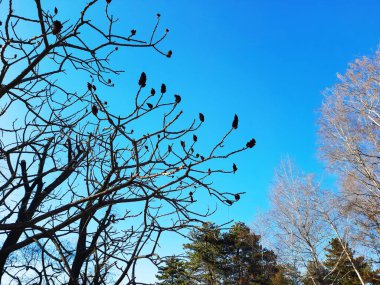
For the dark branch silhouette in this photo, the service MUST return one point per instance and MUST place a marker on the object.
(85, 193)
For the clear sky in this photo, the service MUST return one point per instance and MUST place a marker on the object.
(267, 61)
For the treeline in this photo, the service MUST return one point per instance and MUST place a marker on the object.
(237, 257)
(215, 257)
(313, 236)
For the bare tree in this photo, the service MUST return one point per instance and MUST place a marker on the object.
(331, 211)
(86, 193)
(300, 233)
(305, 219)
(349, 137)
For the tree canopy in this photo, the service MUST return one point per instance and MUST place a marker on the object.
(226, 257)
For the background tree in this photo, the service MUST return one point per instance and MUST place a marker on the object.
(246, 260)
(74, 172)
(305, 219)
(349, 137)
(285, 275)
(232, 257)
(339, 266)
(174, 272)
(204, 254)
(298, 230)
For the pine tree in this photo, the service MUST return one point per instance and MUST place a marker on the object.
(340, 268)
(315, 274)
(231, 258)
(246, 261)
(204, 254)
(174, 272)
(235, 257)
(284, 276)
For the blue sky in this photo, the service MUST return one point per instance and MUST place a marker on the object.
(267, 61)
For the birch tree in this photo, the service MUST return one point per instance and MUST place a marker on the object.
(349, 139)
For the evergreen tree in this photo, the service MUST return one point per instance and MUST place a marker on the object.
(235, 257)
(246, 261)
(284, 276)
(174, 272)
(204, 253)
(230, 258)
(315, 274)
(340, 268)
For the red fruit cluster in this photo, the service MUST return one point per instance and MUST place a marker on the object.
(235, 122)
(57, 27)
(251, 143)
(163, 88)
(142, 80)
(177, 99)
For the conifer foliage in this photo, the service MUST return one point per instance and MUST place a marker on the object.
(339, 266)
(230, 257)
